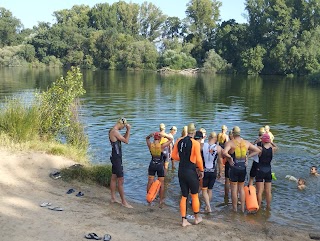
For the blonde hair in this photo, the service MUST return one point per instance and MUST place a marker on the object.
(184, 131)
(122, 121)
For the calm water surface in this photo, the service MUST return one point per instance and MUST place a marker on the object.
(290, 106)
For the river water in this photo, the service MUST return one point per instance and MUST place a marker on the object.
(290, 106)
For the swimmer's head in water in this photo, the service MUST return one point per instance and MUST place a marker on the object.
(313, 170)
(301, 181)
(156, 136)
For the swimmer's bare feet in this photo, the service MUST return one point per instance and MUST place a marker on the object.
(185, 222)
(161, 205)
(208, 210)
(127, 205)
(115, 201)
(198, 220)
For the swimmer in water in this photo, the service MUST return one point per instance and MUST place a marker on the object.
(314, 171)
(301, 184)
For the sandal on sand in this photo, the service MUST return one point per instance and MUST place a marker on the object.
(55, 208)
(71, 190)
(45, 204)
(80, 194)
(92, 236)
(107, 237)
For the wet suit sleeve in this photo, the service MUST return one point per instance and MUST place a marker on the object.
(175, 154)
(196, 155)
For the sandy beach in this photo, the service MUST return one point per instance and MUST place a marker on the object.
(25, 184)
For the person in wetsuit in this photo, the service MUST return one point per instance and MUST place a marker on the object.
(116, 159)
(187, 151)
(212, 159)
(236, 153)
(253, 170)
(156, 166)
(264, 177)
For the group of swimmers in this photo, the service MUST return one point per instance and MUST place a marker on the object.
(200, 163)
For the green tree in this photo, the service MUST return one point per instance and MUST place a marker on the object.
(203, 16)
(77, 16)
(151, 20)
(253, 60)
(10, 27)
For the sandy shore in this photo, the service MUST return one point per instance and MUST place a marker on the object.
(25, 183)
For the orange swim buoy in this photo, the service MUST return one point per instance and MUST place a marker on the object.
(153, 191)
(251, 199)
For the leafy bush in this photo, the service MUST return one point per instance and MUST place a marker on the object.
(215, 63)
(58, 105)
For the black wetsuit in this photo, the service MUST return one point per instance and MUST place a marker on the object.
(188, 177)
(237, 173)
(116, 158)
(264, 165)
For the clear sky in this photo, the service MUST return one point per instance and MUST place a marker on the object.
(30, 12)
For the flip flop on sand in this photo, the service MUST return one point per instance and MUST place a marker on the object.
(55, 208)
(45, 204)
(80, 194)
(92, 236)
(107, 237)
(71, 190)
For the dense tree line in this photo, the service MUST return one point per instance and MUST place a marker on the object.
(280, 37)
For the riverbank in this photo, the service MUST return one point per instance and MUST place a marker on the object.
(25, 183)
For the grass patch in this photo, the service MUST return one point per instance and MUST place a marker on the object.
(99, 174)
(51, 147)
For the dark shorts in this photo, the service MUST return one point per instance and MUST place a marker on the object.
(189, 181)
(156, 168)
(253, 170)
(117, 167)
(263, 173)
(237, 175)
(209, 179)
(226, 169)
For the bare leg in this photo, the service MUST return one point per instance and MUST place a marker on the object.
(113, 187)
(268, 194)
(242, 195)
(260, 187)
(234, 195)
(251, 181)
(161, 179)
(150, 181)
(206, 199)
(121, 192)
(172, 162)
(226, 189)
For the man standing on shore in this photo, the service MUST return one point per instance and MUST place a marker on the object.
(187, 151)
(116, 159)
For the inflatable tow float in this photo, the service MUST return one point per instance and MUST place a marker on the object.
(153, 191)
(251, 199)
